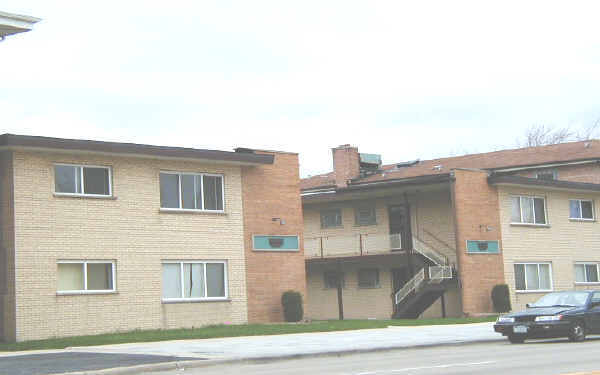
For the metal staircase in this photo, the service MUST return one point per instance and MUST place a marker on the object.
(426, 286)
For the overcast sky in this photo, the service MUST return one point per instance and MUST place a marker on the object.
(408, 80)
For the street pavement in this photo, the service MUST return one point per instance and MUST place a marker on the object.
(548, 357)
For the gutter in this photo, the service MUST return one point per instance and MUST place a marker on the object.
(548, 184)
(544, 165)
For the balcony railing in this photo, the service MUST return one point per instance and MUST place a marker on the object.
(351, 245)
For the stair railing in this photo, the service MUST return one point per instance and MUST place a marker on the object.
(413, 284)
(428, 252)
(437, 274)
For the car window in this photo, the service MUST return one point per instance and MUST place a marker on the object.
(562, 298)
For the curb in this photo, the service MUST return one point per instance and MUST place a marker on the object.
(178, 365)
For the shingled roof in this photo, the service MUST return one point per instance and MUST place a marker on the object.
(521, 157)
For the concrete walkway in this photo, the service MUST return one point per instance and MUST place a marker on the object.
(296, 345)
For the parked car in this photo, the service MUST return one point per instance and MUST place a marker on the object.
(571, 314)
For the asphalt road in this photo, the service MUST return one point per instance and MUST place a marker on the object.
(535, 357)
(58, 363)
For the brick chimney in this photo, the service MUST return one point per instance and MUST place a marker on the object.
(346, 164)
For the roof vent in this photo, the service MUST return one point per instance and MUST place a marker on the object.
(587, 144)
(408, 163)
(437, 167)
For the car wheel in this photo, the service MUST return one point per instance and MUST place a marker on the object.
(577, 332)
(516, 339)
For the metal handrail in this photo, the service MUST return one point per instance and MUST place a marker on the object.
(435, 256)
(410, 285)
(439, 273)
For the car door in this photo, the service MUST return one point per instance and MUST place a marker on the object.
(594, 313)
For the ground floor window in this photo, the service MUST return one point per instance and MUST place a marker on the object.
(75, 276)
(586, 273)
(332, 278)
(533, 276)
(194, 280)
(368, 278)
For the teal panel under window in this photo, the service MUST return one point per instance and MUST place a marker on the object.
(276, 243)
(483, 247)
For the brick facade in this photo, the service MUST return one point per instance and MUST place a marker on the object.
(346, 164)
(477, 217)
(272, 191)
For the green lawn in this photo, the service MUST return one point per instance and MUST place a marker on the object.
(228, 331)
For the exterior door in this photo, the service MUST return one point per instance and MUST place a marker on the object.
(399, 218)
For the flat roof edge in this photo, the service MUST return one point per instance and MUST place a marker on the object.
(78, 145)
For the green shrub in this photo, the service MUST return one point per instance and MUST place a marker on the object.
(292, 306)
(501, 298)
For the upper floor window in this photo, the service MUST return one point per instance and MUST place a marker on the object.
(365, 215)
(331, 218)
(189, 191)
(548, 174)
(528, 210)
(581, 209)
(586, 273)
(82, 180)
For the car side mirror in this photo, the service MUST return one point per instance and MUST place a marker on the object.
(528, 305)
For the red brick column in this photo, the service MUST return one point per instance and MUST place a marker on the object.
(272, 191)
(477, 217)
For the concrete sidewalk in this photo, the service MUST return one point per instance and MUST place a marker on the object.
(297, 345)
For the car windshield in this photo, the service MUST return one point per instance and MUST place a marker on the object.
(567, 299)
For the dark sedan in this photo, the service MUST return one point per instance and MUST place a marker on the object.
(570, 314)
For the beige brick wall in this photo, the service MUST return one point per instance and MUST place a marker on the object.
(7, 255)
(130, 230)
(432, 219)
(563, 242)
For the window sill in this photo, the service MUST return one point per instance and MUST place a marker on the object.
(84, 196)
(583, 220)
(193, 300)
(86, 292)
(530, 225)
(587, 282)
(184, 211)
(370, 287)
(534, 291)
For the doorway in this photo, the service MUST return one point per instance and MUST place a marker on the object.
(400, 234)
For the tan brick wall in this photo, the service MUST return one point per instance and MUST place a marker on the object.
(563, 242)
(360, 303)
(130, 230)
(476, 208)
(272, 191)
(432, 219)
(7, 254)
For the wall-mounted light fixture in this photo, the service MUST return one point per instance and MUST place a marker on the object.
(281, 221)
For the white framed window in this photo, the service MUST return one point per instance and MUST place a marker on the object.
(83, 180)
(581, 209)
(533, 277)
(192, 191)
(528, 210)
(587, 272)
(331, 218)
(194, 280)
(86, 276)
(368, 278)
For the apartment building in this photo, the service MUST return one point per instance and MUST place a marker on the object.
(432, 238)
(101, 236)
